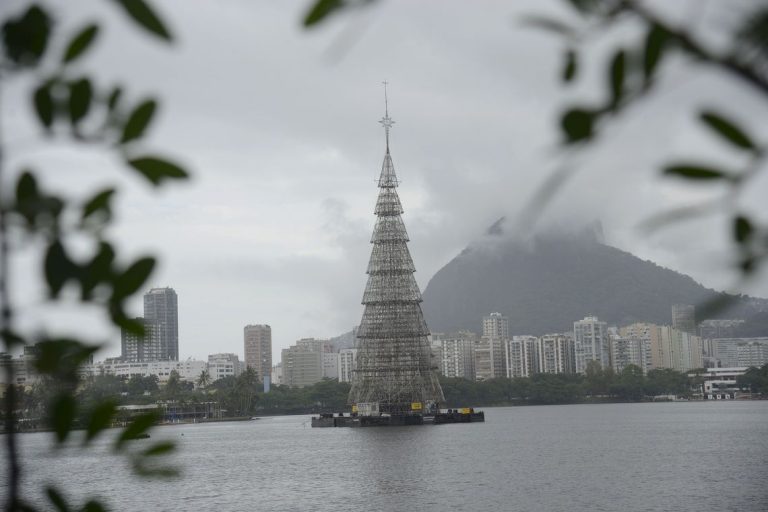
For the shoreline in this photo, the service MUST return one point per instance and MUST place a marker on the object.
(513, 404)
(165, 424)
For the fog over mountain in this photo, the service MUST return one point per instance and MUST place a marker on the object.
(544, 284)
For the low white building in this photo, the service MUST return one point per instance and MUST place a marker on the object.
(224, 365)
(720, 383)
(188, 370)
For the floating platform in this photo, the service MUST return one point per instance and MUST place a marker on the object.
(441, 418)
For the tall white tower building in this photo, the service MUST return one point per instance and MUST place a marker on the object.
(257, 340)
(161, 310)
(591, 343)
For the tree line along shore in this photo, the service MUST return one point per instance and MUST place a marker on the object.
(242, 397)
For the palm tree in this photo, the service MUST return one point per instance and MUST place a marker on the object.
(245, 390)
(204, 379)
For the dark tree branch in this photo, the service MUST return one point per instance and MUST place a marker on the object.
(6, 317)
(688, 43)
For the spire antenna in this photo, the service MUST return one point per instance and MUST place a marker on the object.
(386, 121)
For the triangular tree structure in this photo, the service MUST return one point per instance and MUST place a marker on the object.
(394, 372)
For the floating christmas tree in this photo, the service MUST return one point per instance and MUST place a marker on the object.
(394, 372)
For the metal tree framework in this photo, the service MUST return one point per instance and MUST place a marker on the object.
(394, 371)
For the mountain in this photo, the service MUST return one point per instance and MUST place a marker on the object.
(544, 285)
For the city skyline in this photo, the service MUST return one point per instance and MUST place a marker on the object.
(496, 352)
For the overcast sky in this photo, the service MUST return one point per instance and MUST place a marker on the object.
(279, 127)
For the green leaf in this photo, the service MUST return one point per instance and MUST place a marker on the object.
(144, 16)
(94, 506)
(62, 415)
(655, 43)
(138, 121)
(617, 77)
(727, 129)
(712, 308)
(747, 264)
(44, 104)
(137, 427)
(26, 188)
(57, 499)
(39, 210)
(753, 33)
(160, 448)
(61, 357)
(58, 268)
(25, 38)
(696, 172)
(136, 275)
(114, 97)
(80, 43)
(320, 10)
(121, 320)
(578, 125)
(11, 339)
(80, 95)
(100, 419)
(157, 170)
(99, 270)
(742, 229)
(571, 65)
(99, 203)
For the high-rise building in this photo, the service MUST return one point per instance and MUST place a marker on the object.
(520, 355)
(139, 348)
(490, 362)
(684, 318)
(456, 354)
(627, 351)
(495, 336)
(277, 374)
(648, 336)
(330, 365)
(257, 340)
(347, 360)
(394, 371)
(302, 365)
(729, 351)
(554, 353)
(496, 325)
(752, 353)
(161, 310)
(484, 359)
(318, 345)
(591, 343)
(309, 361)
(680, 350)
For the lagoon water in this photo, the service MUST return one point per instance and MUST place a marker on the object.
(614, 457)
